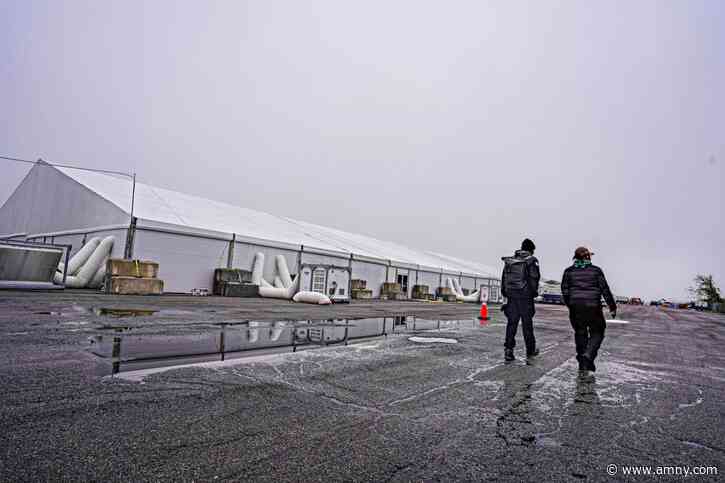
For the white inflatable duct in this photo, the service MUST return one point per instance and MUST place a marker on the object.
(453, 288)
(276, 332)
(98, 278)
(457, 284)
(80, 258)
(278, 293)
(77, 260)
(284, 286)
(283, 270)
(474, 297)
(456, 288)
(253, 332)
(91, 266)
(312, 298)
(258, 269)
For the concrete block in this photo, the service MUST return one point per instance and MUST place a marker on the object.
(389, 287)
(420, 291)
(235, 289)
(134, 286)
(119, 267)
(229, 275)
(358, 284)
(362, 294)
(232, 275)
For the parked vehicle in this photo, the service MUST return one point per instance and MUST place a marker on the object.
(636, 301)
(552, 298)
(700, 306)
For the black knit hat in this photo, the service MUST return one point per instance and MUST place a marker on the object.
(528, 245)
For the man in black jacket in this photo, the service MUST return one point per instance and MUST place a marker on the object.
(520, 284)
(582, 287)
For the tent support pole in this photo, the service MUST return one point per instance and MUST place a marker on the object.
(230, 253)
(130, 235)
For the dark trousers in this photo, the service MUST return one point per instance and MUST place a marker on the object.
(588, 324)
(520, 309)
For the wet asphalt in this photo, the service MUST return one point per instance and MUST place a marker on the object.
(384, 409)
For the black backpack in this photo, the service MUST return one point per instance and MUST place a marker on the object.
(516, 274)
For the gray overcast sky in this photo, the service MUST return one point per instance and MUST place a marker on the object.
(458, 127)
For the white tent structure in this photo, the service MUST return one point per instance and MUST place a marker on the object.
(190, 236)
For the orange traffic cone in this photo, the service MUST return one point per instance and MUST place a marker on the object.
(484, 312)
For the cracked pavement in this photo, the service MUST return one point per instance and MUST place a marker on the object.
(384, 409)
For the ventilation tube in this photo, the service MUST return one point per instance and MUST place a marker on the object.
(312, 298)
(473, 297)
(99, 277)
(283, 270)
(276, 332)
(253, 332)
(279, 293)
(258, 269)
(77, 260)
(456, 288)
(92, 265)
(284, 286)
(457, 284)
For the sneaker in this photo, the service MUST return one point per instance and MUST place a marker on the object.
(508, 355)
(533, 353)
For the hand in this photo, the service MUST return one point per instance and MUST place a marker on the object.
(613, 312)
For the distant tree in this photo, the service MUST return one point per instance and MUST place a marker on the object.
(706, 290)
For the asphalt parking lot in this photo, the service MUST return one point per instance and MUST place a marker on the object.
(384, 407)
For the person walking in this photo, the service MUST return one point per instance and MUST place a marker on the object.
(520, 285)
(582, 287)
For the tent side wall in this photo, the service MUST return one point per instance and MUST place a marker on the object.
(187, 259)
(49, 201)
(431, 279)
(373, 273)
(78, 238)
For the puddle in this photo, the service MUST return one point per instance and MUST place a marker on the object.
(121, 312)
(129, 351)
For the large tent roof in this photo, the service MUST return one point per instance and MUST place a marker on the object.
(175, 208)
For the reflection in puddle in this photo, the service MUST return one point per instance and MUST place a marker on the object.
(129, 351)
(120, 312)
(432, 340)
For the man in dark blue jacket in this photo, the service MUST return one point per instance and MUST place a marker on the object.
(582, 287)
(520, 284)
